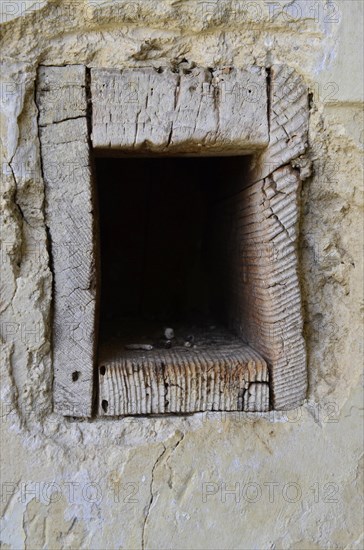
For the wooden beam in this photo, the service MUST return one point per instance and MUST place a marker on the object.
(65, 149)
(188, 111)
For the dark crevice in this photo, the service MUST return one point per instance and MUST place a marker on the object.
(48, 234)
(16, 194)
(310, 101)
(170, 135)
(60, 121)
(96, 252)
(269, 98)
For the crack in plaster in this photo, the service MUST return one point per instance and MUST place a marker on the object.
(170, 450)
(159, 458)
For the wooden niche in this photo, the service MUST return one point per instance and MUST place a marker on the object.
(244, 132)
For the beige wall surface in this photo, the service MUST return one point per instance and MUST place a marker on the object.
(279, 480)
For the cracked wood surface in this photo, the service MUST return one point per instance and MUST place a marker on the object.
(167, 112)
(63, 130)
(226, 378)
(288, 121)
(270, 285)
(263, 300)
(271, 223)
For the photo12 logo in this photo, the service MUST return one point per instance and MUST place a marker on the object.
(271, 11)
(271, 491)
(91, 492)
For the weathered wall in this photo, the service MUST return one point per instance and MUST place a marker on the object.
(161, 483)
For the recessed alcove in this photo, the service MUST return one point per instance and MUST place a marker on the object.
(172, 256)
(169, 235)
(187, 239)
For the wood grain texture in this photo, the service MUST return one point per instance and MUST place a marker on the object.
(61, 93)
(69, 216)
(270, 301)
(186, 111)
(288, 121)
(173, 381)
(254, 234)
(271, 220)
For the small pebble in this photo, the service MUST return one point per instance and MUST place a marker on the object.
(144, 347)
(168, 333)
(188, 344)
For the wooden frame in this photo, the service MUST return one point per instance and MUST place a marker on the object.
(197, 111)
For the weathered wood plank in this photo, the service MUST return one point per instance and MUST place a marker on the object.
(274, 284)
(270, 301)
(173, 381)
(61, 93)
(168, 112)
(61, 99)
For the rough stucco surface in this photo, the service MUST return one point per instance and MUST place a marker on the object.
(163, 483)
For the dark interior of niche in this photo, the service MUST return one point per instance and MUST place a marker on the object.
(169, 242)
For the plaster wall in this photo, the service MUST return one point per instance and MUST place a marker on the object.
(164, 482)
